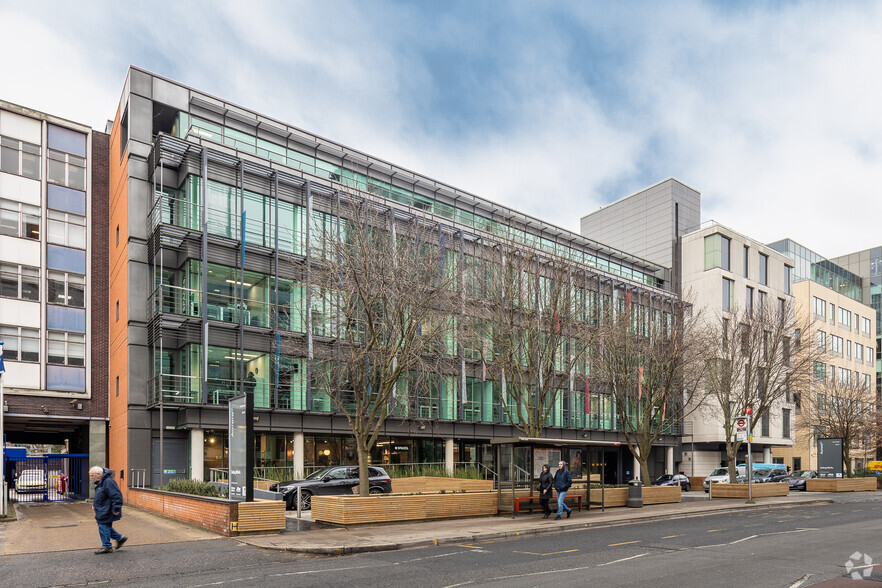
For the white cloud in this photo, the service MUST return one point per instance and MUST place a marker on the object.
(771, 111)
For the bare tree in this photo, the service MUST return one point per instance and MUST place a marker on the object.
(381, 280)
(652, 358)
(844, 408)
(526, 317)
(757, 361)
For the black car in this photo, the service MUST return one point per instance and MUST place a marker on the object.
(331, 480)
(673, 480)
(797, 479)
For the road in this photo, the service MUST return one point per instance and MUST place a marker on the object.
(788, 547)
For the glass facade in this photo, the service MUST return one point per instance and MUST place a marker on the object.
(808, 265)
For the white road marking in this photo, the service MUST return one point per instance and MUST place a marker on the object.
(744, 539)
(800, 582)
(621, 560)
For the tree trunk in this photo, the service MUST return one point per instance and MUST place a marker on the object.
(644, 469)
(846, 457)
(732, 456)
(363, 460)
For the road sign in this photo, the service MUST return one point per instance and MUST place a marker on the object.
(748, 411)
(741, 436)
(741, 424)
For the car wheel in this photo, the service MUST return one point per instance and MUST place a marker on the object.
(688, 487)
(305, 500)
(376, 490)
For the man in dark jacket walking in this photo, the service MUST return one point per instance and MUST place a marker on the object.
(562, 483)
(108, 508)
(545, 484)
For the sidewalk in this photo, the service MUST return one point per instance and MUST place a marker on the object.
(327, 540)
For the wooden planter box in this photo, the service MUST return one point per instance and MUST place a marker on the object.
(696, 482)
(387, 508)
(433, 484)
(651, 495)
(759, 490)
(220, 515)
(840, 485)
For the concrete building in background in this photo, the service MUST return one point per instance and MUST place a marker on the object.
(53, 281)
(648, 223)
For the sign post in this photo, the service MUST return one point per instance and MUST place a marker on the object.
(241, 459)
(742, 433)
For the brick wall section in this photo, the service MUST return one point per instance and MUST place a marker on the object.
(100, 161)
(209, 513)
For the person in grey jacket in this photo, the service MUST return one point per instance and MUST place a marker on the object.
(546, 483)
(108, 508)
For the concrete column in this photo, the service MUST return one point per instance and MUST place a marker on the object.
(197, 454)
(298, 455)
(636, 471)
(98, 451)
(448, 455)
(767, 455)
(669, 460)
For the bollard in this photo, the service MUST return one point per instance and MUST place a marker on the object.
(299, 497)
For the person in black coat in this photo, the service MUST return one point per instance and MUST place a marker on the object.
(546, 483)
(107, 505)
(562, 483)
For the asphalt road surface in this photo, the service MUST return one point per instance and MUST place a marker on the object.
(788, 547)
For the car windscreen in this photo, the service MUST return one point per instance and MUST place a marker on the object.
(664, 478)
(318, 474)
(720, 472)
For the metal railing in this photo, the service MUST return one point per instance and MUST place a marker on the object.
(137, 478)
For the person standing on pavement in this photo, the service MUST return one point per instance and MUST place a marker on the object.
(562, 483)
(108, 508)
(546, 482)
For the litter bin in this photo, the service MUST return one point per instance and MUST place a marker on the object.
(635, 494)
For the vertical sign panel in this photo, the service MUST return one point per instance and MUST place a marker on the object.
(241, 448)
(830, 458)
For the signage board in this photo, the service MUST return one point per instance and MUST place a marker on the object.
(241, 448)
(876, 466)
(543, 456)
(830, 458)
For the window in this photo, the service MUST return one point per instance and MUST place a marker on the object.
(19, 220)
(19, 281)
(728, 293)
(820, 371)
(844, 376)
(788, 277)
(832, 314)
(859, 353)
(822, 402)
(848, 349)
(20, 343)
(844, 318)
(716, 251)
(785, 419)
(66, 348)
(746, 261)
(764, 269)
(820, 308)
(865, 382)
(865, 326)
(836, 345)
(748, 300)
(765, 425)
(66, 229)
(870, 355)
(66, 169)
(66, 288)
(831, 373)
(20, 158)
(761, 301)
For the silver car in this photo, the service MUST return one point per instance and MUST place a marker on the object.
(718, 476)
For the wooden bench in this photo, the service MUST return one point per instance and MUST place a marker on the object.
(518, 499)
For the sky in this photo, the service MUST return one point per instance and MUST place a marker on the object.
(772, 110)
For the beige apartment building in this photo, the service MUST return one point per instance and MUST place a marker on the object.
(844, 330)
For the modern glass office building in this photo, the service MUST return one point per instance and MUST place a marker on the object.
(216, 213)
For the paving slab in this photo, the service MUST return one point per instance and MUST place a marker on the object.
(64, 526)
(327, 540)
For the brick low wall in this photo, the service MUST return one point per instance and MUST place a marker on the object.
(214, 514)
